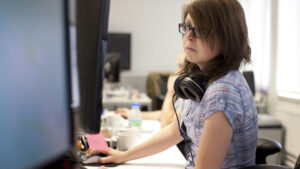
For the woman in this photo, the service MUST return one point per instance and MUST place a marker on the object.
(222, 127)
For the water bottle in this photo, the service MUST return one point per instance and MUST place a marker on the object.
(135, 116)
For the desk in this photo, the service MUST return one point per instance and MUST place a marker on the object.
(113, 102)
(168, 159)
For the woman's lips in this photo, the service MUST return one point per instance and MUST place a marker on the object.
(190, 49)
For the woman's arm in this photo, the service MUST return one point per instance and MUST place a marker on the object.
(167, 112)
(151, 115)
(162, 140)
(214, 142)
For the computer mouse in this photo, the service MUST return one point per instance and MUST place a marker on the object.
(93, 160)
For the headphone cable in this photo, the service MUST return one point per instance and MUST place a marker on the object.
(185, 140)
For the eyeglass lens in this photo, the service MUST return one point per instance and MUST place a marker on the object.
(184, 29)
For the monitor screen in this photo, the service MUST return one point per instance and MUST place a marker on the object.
(35, 116)
(91, 26)
(120, 43)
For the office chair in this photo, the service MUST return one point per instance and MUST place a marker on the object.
(249, 77)
(297, 165)
(159, 98)
(271, 166)
(156, 87)
(266, 147)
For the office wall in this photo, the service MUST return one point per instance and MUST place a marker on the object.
(155, 40)
(286, 110)
(153, 25)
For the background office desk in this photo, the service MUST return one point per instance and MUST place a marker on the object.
(114, 102)
(168, 159)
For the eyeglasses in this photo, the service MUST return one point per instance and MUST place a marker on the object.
(184, 29)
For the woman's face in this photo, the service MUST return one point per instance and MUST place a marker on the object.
(196, 50)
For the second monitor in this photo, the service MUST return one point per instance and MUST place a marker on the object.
(112, 67)
(120, 43)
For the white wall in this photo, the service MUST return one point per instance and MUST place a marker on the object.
(153, 25)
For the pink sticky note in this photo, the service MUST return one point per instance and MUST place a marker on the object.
(97, 141)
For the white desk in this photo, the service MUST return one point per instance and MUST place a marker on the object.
(168, 159)
(113, 102)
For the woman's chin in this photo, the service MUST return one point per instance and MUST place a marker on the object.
(190, 58)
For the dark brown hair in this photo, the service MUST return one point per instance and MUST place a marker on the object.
(222, 20)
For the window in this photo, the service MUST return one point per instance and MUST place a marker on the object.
(258, 17)
(288, 45)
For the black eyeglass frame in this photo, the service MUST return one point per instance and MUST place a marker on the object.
(189, 27)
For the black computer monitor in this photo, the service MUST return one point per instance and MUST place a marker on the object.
(35, 115)
(91, 25)
(112, 67)
(120, 43)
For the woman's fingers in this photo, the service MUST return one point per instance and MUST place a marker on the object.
(96, 151)
(104, 160)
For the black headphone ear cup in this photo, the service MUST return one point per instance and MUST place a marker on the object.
(201, 80)
(177, 87)
(191, 89)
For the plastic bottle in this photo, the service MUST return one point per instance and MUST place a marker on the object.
(135, 116)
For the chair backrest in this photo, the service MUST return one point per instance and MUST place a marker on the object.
(267, 147)
(154, 87)
(164, 84)
(297, 165)
(264, 148)
(249, 77)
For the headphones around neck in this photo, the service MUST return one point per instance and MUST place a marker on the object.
(191, 86)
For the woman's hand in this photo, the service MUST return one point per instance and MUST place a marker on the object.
(112, 156)
(123, 112)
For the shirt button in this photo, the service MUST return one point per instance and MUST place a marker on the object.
(221, 100)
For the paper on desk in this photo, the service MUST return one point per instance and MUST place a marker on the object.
(97, 141)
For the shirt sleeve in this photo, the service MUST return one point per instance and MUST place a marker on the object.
(223, 97)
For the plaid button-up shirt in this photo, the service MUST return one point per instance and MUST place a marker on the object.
(231, 95)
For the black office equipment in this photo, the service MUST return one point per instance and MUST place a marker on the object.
(249, 77)
(36, 119)
(112, 67)
(190, 86)
(91, 23)
(93, 160)
(35, 115)
(120, 43)
(266, 147)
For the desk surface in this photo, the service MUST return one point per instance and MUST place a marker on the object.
(113, 102)
(143, 98)
(168, 159)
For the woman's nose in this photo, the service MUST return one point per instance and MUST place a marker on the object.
(190, 35)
